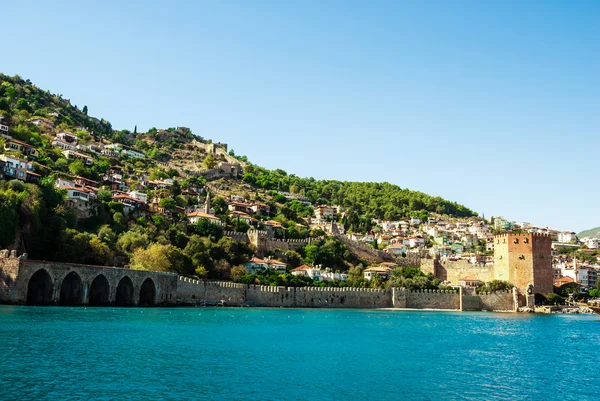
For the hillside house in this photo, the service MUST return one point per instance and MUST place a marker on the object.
(72, 155)
(20, 146)
(383, 272)
(18, 169)
(195, 217)
(64, 145)
(67, 137)
(256, 265)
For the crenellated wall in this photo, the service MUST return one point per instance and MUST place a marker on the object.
(426, 299)
(194, 292)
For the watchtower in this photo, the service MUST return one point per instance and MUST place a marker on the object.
(524, 260)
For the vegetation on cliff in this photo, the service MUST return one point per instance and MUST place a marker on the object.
(36, 218)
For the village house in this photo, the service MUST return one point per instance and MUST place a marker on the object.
(196, 216)
(125, 150)
(19, 169)
(130, 203)
(469, 281)
(67, 137)
(325, 213)
(256, 265)
(396, 249)
(382, 272)
(42, 122)
(243, 217)
(3, 127)
(70, 154)
(80, 200)
(566, 237)
(20, 146)
(64, 145)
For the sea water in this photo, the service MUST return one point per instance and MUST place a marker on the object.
(52, 353)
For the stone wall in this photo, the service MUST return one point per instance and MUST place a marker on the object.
(165, 284)
(498, 301)
(453, 270)
(426, 299)
(194, 292)
(9, 272)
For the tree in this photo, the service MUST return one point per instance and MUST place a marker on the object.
(201, 272)
(158, 257)
(237, 272)
(77, 167)
(210, 162)
(104, 195)
(85, 110)
(168, 204)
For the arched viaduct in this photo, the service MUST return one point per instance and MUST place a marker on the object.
(46, 283)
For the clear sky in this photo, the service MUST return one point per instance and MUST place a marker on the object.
(493, 104)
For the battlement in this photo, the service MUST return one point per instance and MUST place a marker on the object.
(534, 235)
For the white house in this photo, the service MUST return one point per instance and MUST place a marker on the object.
(256, 265)
(566, 237)
(196, 216)
(138, 195)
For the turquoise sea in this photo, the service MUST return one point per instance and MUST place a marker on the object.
(53, 353)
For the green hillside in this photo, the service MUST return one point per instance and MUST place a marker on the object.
(592, 232)
(37, 217)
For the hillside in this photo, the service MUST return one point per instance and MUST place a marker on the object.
(84, 192)
(592, 232)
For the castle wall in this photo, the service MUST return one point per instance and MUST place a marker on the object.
(452, 271)
(9, 272)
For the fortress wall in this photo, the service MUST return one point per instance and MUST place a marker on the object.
(9, 272)
(262, 295)
(316, 297)
(453, 270)
(433, 299)
(428, 266)
(497, 301)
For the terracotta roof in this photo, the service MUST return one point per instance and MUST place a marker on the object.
(203, 215)
(274, 262)
(302, 268)
(468, 278)
(19, 142)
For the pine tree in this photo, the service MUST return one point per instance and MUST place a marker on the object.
(85, 110)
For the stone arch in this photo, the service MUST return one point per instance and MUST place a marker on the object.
(39, 288)
(124, 296)
(99, 291)
(71, 290)
(147, 293)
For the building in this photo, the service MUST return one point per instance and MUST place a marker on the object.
(81, 200)
(383, 272)
(525, 260)
(67, 137)
(195, 217)
(70, 154)
(327, 213)
(567, 237)
(256, 265)
(64, 145)
(20, 146)
(18, 169)
(469, 281)
(125, 150)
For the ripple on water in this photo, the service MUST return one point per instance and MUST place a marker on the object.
(293, 354)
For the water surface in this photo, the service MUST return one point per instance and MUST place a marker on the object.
(54, 353)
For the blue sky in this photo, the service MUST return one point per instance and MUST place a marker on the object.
(494, 104)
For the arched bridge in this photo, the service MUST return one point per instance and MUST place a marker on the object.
(47, 283)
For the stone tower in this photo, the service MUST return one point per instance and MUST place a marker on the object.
(207, 202)
(525, 260)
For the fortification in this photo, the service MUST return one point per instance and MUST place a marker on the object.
(525, 261)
